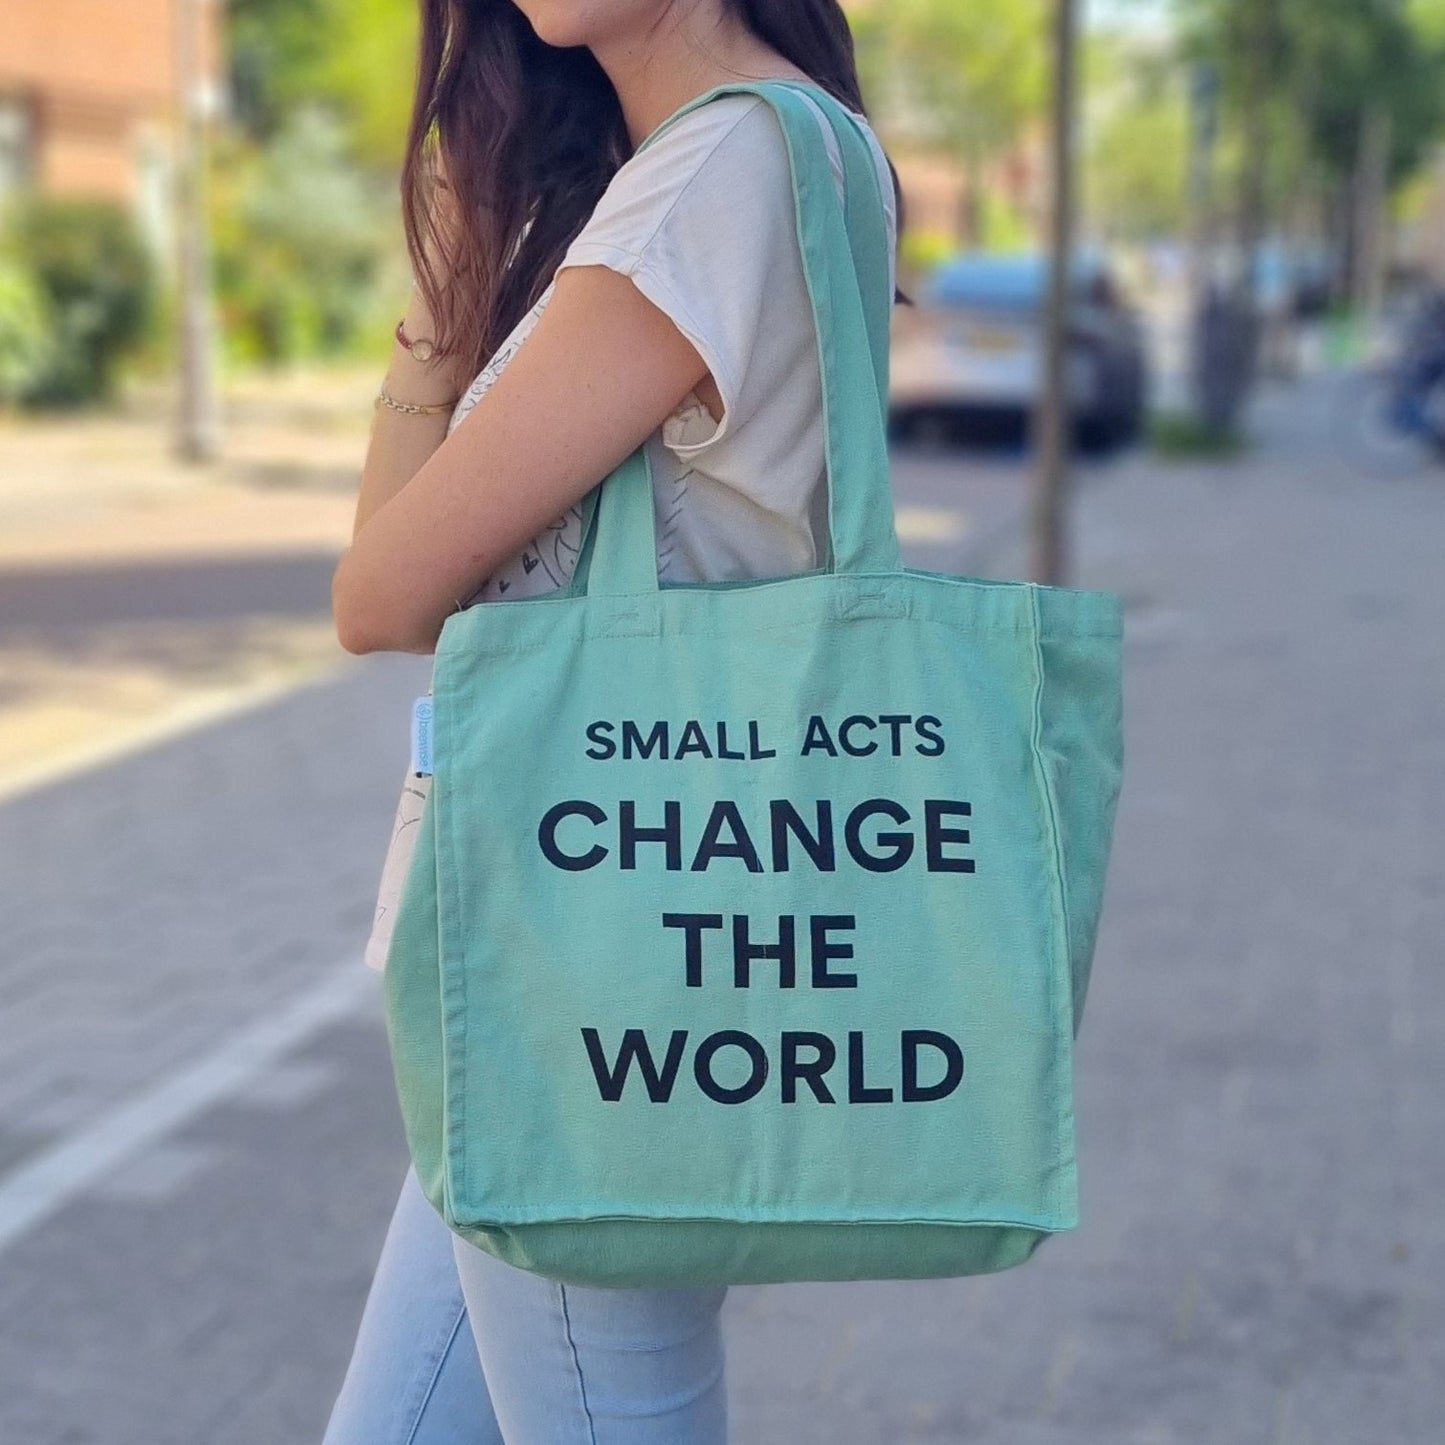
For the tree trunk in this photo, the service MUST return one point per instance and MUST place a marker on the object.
(1257, 35)
(970, 200)
(1371, 195)
(197, 420)
(1053, 420)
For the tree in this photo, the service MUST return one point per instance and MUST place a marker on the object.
(1302, 79)
(270, 47)
(305, 197)
(1349, 57)
(1427, 17)
(355, 56)
(966, 80)
(1136, 138)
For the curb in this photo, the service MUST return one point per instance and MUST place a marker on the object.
(188, 716)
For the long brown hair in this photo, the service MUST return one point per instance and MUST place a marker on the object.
(522, 138)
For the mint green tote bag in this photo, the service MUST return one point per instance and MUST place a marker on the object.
(748, 931)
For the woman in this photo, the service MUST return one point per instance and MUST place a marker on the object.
(662, 300)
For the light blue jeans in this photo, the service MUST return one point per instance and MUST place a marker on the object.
(458, 1348)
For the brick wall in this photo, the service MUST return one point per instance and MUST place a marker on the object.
(95, 80)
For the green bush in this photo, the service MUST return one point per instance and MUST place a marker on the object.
(300, 235)
(26, 328)
(1180, 436)
(97, 285)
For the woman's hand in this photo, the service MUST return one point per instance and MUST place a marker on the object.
(600, 371)
(400, 443)
(444, 375)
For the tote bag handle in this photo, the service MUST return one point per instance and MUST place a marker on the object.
(867, 226)
(618, 555)
(862, 207)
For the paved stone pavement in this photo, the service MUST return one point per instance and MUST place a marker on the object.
(199, 1146)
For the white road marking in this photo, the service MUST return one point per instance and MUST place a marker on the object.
(65, 1170)
(186, 716)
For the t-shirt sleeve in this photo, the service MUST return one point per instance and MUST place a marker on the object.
(697, 220)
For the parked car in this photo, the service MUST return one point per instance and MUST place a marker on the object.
(970, 350)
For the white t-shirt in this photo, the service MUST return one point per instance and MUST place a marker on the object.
(703, 222)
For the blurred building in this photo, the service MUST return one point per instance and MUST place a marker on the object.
(89, 98)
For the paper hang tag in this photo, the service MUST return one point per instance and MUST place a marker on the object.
(421, 736)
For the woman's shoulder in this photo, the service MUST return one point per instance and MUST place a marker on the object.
(695, 133)
(737, 128)
(701, 154)
(723, 163)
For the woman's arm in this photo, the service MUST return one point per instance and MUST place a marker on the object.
(600, 371)
(402, 441)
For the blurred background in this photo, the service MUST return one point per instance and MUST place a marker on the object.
(1243, 433)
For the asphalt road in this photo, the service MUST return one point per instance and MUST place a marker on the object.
(199, 1143)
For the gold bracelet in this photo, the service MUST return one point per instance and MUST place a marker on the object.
(411, 408)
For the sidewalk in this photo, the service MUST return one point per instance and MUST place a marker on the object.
(97, 489)
(102, 497)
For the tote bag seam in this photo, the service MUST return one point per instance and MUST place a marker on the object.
(1018, 626)
(451, 981)
(512, 1216)
(1059, 921)
(1083, 626)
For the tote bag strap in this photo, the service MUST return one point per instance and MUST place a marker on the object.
(863, 215)
(867, 224)
(862, 204)
(841, 267)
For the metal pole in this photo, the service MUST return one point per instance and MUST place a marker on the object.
(1372, 191)
(1204, 118)
(1053, 416)
(197, 422)
(1204, 129)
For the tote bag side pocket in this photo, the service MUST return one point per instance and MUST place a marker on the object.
(1079, 741)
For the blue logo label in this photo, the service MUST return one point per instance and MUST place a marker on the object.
(421, 736)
